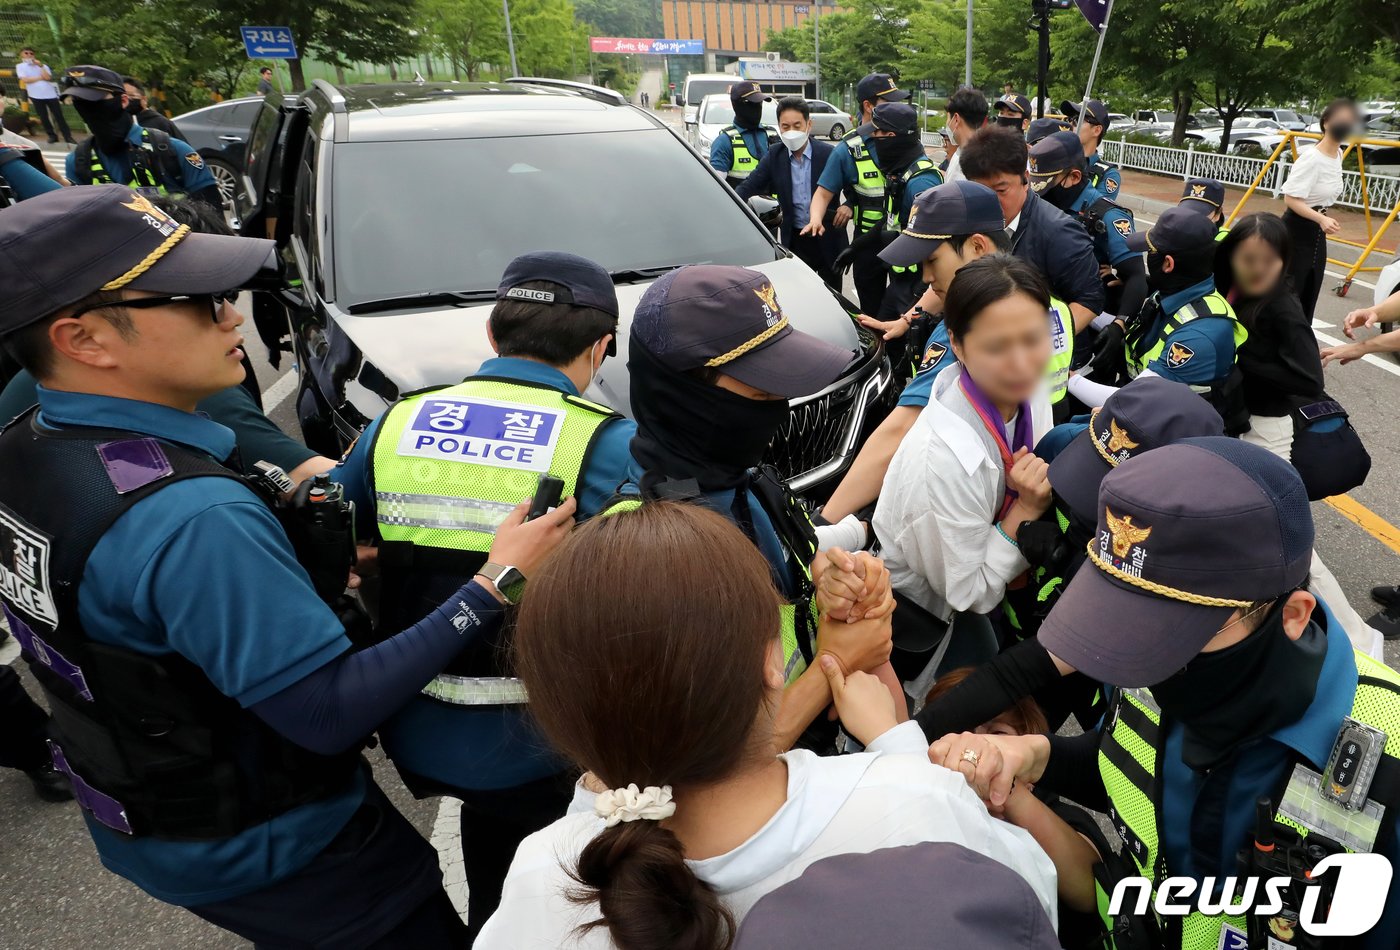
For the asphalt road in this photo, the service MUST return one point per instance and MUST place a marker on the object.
(55, 894)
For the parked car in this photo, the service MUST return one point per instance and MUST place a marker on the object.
(398, 206)
(830, 121)
(220, 134)
(1286, 118)
(1242, 128)
(1163, 117)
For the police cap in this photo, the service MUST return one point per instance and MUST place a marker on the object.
(61, 246)
(1205, 195)
(1040, 128)
(1171, 562)
(577, 281)
(1179, 232)
(879, 87)
(1016, 103)
(1054, 155)
(957, 207)
(91, 82)
(747, 92)
(892, 117)
(728, 318)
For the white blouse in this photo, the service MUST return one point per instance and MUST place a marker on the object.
(1315, 178)
(848, 804)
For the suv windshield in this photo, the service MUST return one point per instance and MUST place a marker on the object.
(700, 88)
(433, 230)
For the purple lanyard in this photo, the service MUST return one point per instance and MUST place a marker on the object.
(991, 419)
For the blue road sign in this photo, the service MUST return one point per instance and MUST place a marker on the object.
(268, 42)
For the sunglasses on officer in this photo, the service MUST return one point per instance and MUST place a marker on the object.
(214, 301)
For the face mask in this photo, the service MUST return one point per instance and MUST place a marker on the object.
(133, 108)
(748, 115)
(1061, 195)
(1217, 698)
(1185, 274)
(794, 140)
(689, 429)
(108, 122)
(1010, 121)
(1341, 130)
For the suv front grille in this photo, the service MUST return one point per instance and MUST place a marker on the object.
(823, 431)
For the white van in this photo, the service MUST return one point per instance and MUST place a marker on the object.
(700, 85)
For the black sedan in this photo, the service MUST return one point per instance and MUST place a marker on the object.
(219, 133)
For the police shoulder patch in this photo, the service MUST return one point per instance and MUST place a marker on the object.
(1178, 355)
(1123, 226)
(1110, 184)
(934, 353)
(194, 159)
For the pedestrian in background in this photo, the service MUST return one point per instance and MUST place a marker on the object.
(264, 80)
(967, 112)
(1314, 184)
(43, 94)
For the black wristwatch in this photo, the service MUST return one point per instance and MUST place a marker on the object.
(507, 579)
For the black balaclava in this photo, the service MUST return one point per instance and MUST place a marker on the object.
(1217, 698)
(1062, 196)
(894, 154)
(1190, 270)
(690, 429)
(107, 120)
(1009, 121)
(748, 115)
(134, 108)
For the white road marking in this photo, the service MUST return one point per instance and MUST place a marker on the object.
(276, 394)
(1383, 362)
(447, 840)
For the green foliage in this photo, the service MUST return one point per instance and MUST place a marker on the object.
(621, 17)
(467, 32)
(548, 41)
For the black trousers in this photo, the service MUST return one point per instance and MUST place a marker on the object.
(870, 276)
(1308, 268)
(494, 822)
(22, 725)
(376, 886)
(809, 250)
(51, 114)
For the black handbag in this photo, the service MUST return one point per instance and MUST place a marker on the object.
(1330, 457)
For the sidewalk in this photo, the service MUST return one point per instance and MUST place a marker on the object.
(1153, 194)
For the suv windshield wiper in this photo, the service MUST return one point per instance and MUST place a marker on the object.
(432, 298)
(641, 273)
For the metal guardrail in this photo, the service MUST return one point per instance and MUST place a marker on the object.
(1384, 191)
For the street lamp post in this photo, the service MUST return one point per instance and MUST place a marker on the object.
(817, 37)
(967, 71)
(510, 39)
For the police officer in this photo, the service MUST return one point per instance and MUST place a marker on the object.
(207, 706)
(893, 135)
(1244, 731)
(712, 362)
(1206, 196)
(1014, 111)
(1186, 330)
(121, 151)
(465, 455)
(1102, 175)
(856, 169)
(1059, 175)
(1040, 128)
(738, 148)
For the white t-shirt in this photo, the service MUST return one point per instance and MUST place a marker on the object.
(954, 170)
(850, 804)
(1315, 178)
(34, 82)
(941, 495)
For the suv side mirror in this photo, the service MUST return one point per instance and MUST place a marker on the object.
(768, 210)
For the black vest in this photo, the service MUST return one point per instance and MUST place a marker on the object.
(152, 746)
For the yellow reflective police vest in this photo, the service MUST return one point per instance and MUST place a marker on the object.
(869, 186)
(448, 466)
(1129, 752)
(1061, 349)
(142, 175)
(1211, 305)
(1222, 234)
(794, 651)
(894, 197)
(743, 162)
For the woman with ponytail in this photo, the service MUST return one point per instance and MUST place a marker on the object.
(649, 644)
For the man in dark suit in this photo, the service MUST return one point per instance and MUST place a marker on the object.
(791, 170)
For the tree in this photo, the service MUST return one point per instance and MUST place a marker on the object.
(548, 39)
(467, 32)
(621, 17)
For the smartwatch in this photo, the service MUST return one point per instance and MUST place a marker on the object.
(507, 579)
